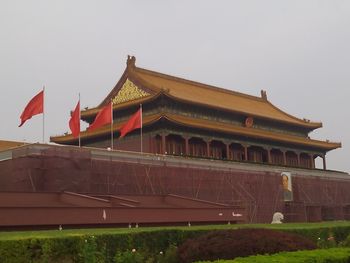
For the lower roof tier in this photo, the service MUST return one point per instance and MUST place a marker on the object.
(204, 124)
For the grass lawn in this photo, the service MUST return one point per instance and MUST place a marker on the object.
(17, 235)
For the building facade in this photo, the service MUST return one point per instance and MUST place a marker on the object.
(214, 144)
(186, 118)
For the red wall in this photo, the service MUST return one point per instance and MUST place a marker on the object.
(315, 198)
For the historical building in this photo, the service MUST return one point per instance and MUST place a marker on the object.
(186, 118)
(226, 156)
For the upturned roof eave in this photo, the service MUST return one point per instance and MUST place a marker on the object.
(69, 139)
(309, 124)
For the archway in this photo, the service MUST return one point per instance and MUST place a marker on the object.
(276, 157)
(305, 160)
(236, 152)
(158, 144)
(291, 159)
(175, 144)
(218, 150)
(257, 154)
(197, 147)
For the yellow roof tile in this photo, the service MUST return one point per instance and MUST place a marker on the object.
(202, 94)
(5, 145)
(215, 97)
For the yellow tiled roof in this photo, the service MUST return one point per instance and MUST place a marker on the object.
(215, 97)
(147, 120)
(202, 94)
(5, 145)
(251, 132)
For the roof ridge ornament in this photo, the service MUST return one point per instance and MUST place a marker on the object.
(166, 90)
(131, 61)
(263, 94)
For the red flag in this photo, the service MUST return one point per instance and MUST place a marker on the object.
(34, 107)
(104, 116)
(133, 123)
(74, 122)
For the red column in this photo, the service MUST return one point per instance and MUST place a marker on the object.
(228, 151)
(151, 144)
(208, 148)
(187, 148)
(284, 158)
(245, 152)
(268, 155)
(163, 144)
(312, 161)
(298, 159)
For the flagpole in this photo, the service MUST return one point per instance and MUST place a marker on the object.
(43, 114)
(111, 140)
(141, 127)
(112, 125)
(79, 121)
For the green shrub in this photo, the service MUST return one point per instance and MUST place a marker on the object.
(70, 246)
(170, 255)
(58, 250)
(91, 253)
(99, 248)
(15, 252)
(321, 235)
(332, 255)
(229, 244)
(130, 256)
(346, 242)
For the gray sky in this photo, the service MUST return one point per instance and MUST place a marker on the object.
(298, 51)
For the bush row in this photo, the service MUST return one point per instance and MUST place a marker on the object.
(230, 244)
(331, 255)
(89, 248)
(138, 246)
(337, 234)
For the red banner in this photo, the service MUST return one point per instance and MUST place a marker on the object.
(133, 123)
(74, 122)
(34, 107)
(103, 117)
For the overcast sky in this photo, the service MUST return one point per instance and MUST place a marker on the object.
(298, 51)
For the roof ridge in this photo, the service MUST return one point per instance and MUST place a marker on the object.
(111, 93)
(133, 76)
(206, 86)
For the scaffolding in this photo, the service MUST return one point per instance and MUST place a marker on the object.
(318, 194)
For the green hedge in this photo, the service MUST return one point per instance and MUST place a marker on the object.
(104, 245)
(90, 248)
(331, 255)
